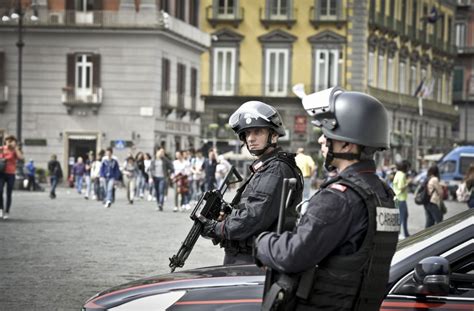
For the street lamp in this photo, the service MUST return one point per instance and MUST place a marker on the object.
(18, 14)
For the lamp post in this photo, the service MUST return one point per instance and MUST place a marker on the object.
(18, 14)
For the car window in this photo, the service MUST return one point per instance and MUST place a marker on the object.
(465, 163)
(447, 167)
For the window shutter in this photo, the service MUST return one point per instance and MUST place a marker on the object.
(165, 81)
(70, 5)
(98, 5)
(96, 70)
(71, 68)
(193, 82)
(2, 68)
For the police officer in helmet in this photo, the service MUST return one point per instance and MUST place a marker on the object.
(255, 206)
(342, 247)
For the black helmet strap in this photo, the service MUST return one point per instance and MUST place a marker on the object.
(331, 155)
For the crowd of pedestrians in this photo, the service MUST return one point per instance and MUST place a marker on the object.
(145, 177)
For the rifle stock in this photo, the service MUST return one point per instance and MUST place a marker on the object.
(209, 206)
(272, 297)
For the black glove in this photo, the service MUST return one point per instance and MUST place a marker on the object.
(209, 227)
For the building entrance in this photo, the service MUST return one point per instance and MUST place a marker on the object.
(79, 146)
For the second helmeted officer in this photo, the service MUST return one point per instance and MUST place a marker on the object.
(256, 205)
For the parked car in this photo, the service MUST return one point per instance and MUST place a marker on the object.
(240, 287)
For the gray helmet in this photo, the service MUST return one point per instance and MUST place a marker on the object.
(254, 114)
(349, 116)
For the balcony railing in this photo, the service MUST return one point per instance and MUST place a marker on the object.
(71, 98)
(144, 19)
(464, 49)
(396, 100)
(216, 16)
(316, 19)
(267, 17)
(3, 97)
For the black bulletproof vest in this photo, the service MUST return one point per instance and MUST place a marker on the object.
(291, 214)
(358, 281)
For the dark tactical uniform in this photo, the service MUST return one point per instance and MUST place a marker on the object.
(338, 257)
(333, 236)
(256, 210)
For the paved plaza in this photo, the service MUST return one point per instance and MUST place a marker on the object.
(54, 254)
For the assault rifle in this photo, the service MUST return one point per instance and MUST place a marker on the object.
(278, 286)
(210, 205)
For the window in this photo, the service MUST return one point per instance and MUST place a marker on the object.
(193, 88)
(328, 9)
(458, 81)
(181, 9)
(278, 9)
(193, 12)
(181, 84)
(83, 75)
(224, 71)
(165, 81)
(460, 35)
(390, 74)
(84, 5)
(226, 9)
(164, 5)
(402, 74)
(327, 68)
(413, 81)
(276, 72)
(380, 71)
(371, 69)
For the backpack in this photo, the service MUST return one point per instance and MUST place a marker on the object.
(422, 196)
(462, 194)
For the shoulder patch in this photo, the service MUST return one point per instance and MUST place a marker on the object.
(339, 187)
(257, 166)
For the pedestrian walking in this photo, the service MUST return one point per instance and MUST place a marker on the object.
(256, 207)
(109, 173)
(130, 173)
(222, 168)
(160, 171)
(198, 175)
(181, 171)
(78, 171)
(55, 174)
(307, 166)
(10, 153)
(400, 187)
(87, 174)
(31, 174)
(99, 188)
(339, 247)
(433, 212)
(209, 168)
(141, 183)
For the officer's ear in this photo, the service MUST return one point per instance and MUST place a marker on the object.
(274, 137)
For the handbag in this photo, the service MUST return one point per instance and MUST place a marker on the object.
(3, 163)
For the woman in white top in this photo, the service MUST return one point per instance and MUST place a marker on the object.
(432, 209)
(182, 170)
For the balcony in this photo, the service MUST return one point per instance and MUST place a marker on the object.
(3, 97)
(169, 102)
(71, 98)
(465, 50)
(215, 15)
(319, 20)
(288, 18)
(143, 19)
(396, 100)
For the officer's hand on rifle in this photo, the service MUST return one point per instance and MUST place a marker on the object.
(209, 226)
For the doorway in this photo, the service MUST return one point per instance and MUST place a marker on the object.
(79, 146)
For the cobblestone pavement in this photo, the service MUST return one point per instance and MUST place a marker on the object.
(54, 254)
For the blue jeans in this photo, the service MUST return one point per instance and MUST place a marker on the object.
(8, 179)
(402, 206)
(109, 186)
(160, 186)
(54, 183)
(79, 183)
(433, 214)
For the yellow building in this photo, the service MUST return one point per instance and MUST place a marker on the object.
(386, 48)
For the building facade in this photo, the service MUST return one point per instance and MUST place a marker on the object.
(391, 49)
(463, 87)
(118, 73)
